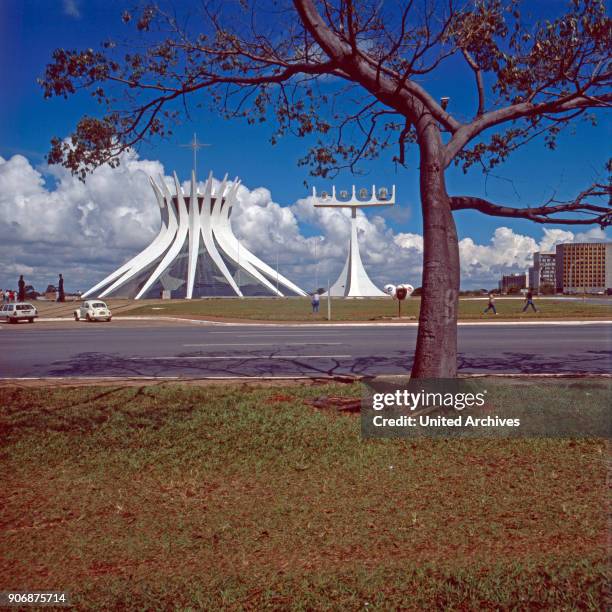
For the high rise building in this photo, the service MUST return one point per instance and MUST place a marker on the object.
(543, 274)
(584, 267)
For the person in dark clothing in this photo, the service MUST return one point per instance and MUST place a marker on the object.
(60, 290)
(21, 285)
(529, 302)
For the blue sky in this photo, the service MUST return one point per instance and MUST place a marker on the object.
(30, 30)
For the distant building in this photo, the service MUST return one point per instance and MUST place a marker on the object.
(512, 283)
(543, 273)
(50, 292)
(532, 280)
(584, 267)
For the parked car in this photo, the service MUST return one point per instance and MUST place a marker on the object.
(93, 310)
(18, 311)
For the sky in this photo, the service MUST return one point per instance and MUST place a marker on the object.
(50, 222)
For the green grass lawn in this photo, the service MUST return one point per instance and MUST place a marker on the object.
(242, 497)
(298, 309)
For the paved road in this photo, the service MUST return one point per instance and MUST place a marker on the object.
(138, 348)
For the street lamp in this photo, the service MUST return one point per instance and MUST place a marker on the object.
(238, 264)
(318, 238)
(277, 242)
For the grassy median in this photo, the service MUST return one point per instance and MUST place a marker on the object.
(298, 309)
(247, 497)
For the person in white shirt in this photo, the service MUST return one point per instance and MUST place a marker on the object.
(315, 303)
(491, 305)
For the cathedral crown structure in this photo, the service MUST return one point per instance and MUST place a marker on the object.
(195, 253)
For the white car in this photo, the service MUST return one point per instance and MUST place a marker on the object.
(93, 310)
(18, 311)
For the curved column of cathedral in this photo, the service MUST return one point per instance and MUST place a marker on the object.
(145, 258)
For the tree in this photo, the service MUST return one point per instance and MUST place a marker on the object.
(354, 74)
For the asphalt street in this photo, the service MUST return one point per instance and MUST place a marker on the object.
(138, 348)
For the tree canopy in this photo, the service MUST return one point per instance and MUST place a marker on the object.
(356, 75)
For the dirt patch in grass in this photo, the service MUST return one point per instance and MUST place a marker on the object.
(247, 497)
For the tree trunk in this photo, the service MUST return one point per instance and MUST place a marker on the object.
(436, 349)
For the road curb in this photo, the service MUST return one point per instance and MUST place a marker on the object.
(99, 380)
(338, 324)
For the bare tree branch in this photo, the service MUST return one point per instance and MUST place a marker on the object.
(518, 111)
(547, 213)
(479, 80)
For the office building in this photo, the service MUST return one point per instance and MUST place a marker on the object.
(512, 283)
(543, 273)
(584, 267)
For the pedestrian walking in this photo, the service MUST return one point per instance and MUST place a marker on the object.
(490, 305)
(315, 303)
(61, 296)
(1, 296)
(529, 302)
(21, 285)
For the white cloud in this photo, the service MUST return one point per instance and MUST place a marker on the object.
(410, 241)
(71, 8)
(86, 230)
(79, 229)
(595, 234)
(552, 237)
